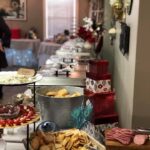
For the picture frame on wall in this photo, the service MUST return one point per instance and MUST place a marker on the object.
(13, 9)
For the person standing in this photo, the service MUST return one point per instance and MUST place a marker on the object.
(5, 38)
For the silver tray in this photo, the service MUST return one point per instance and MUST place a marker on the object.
(12, 78)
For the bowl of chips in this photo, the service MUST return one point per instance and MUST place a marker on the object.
(58, 102)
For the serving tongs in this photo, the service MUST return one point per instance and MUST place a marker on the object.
(142, 131)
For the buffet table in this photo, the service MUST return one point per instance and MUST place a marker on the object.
(23, 44)
(74, 78)
(112, 145)
(61, 81)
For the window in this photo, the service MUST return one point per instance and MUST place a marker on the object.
(60, 15)
(96, 10)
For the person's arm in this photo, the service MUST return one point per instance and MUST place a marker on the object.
(6, 36)
(1, 45)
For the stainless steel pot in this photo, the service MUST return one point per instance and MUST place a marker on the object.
(59, 110)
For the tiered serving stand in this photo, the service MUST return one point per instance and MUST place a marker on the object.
(32, 82)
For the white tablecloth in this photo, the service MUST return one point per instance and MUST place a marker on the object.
(46, 49)
(23, 52)
(23, 44)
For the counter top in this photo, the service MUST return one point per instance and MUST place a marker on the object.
(113, 145)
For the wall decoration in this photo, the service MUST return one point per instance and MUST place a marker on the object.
(118, 9)
(124, 38)
(129, 4)
(13, 9)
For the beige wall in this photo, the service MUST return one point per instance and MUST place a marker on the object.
(124, 70)
(141, 112)
(83, 10)
(132, 73)
(34, 18)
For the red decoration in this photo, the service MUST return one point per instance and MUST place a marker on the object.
(103, 106)
(86, 35)
(98, 67)
(98, 77)
(15, 33)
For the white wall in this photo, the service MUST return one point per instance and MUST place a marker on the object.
(107, 49)
(124, 70)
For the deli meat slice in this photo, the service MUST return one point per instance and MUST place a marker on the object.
(124, 141)
(140, 139)
(123, 136)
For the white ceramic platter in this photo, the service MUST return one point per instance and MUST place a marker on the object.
(12, 78)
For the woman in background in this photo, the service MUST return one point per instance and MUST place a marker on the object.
(5, 37)
(62, 37)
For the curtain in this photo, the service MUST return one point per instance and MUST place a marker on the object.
(60, 15)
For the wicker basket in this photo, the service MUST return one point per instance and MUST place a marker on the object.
(94, 142)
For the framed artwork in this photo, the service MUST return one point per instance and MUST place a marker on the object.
(13, 9)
